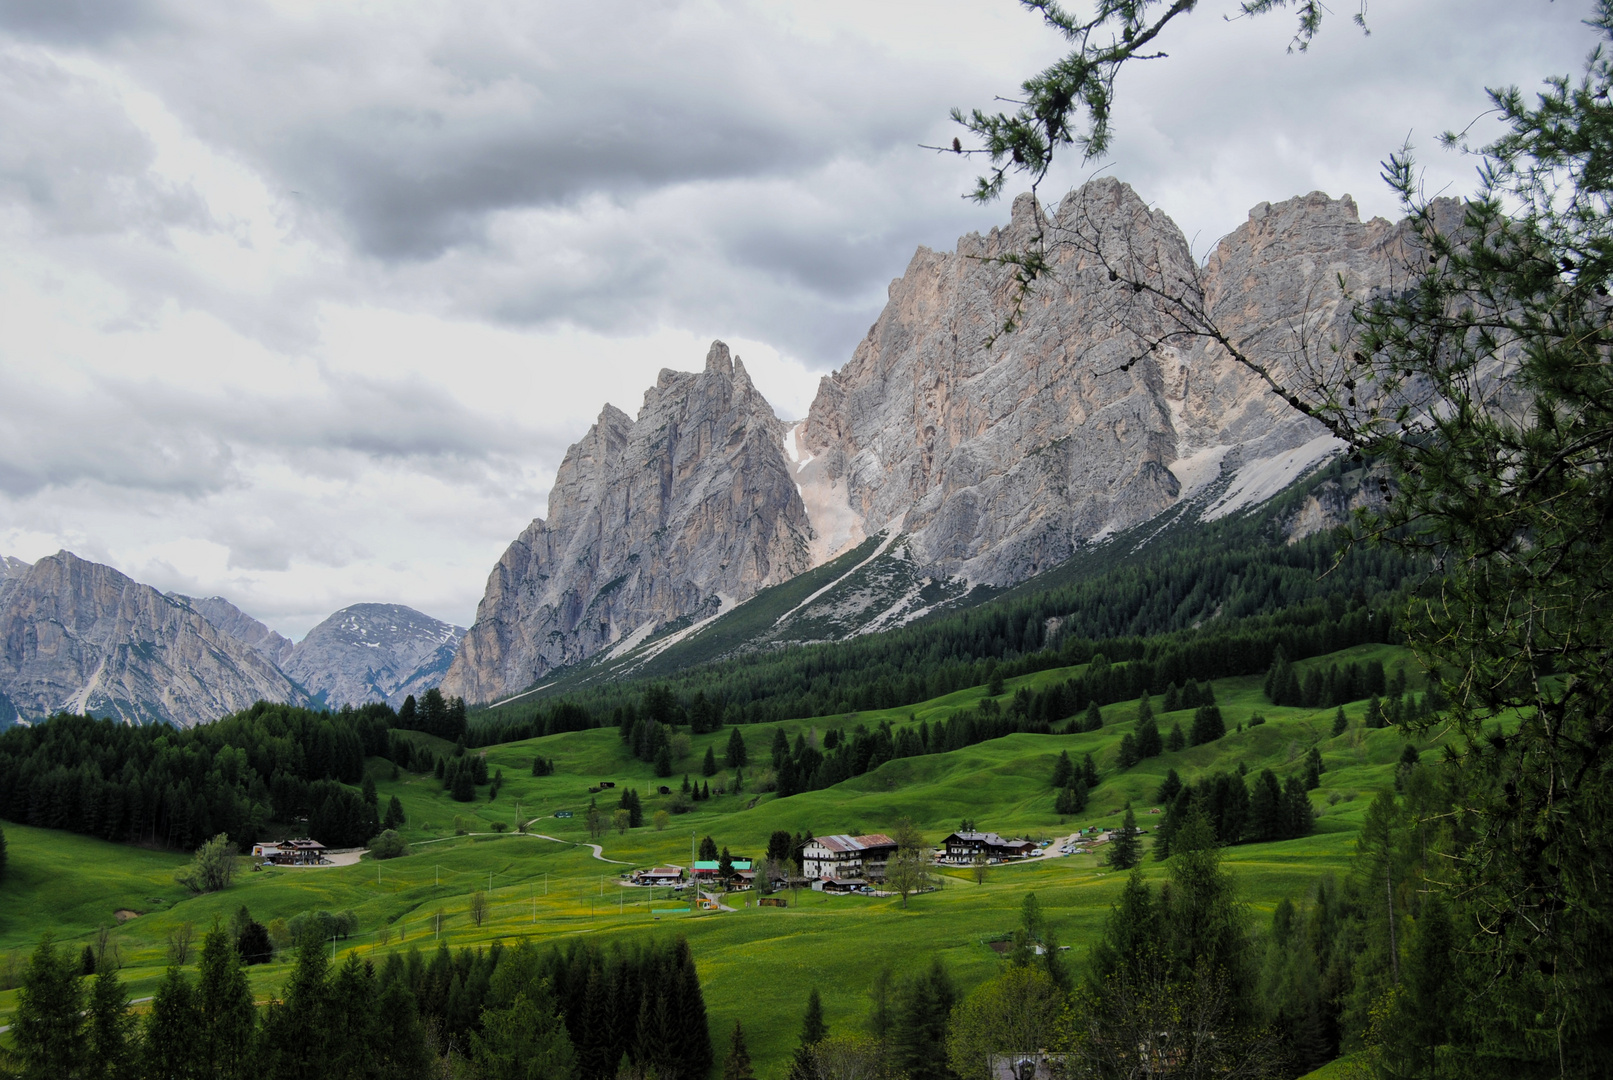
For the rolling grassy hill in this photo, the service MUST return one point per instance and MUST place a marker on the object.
(756, 963)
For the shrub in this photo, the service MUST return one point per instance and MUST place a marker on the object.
(388, 845)
(212, 868)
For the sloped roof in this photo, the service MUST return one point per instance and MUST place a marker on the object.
(842, 843)
(873, 840)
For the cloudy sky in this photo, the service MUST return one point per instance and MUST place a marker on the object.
(301, 302)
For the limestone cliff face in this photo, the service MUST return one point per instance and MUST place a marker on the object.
(995, 456)
(243, 628)
(998, 458)
(80, 636)
(981, 456)
(373, 652)
(674, 515)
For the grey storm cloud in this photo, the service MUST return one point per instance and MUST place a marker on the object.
(79, 22)
(72, 155)
(156, 437)
(412, 137)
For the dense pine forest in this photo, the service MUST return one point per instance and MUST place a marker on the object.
(579, 1011)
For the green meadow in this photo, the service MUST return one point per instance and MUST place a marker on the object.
(756, 963)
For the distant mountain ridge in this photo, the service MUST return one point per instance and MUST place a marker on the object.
(373, 652)
(83, 637)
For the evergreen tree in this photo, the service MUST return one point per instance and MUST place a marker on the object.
(296, 1031)
(1421, 1006)
(1340, 722)
(1266, 807)
(1207, 725)
(1313, 769)
(86, 961)
(1298, 818)
(663, 761)
(1071, 800)
(1168, 788)
(1089, 771)
(524, 1040)
(1125, 850)
(1149, 743)
(709, 766)
(367, 791)
(401, 1050)
(48, 1026)
(1175, 740)
(1127, 756)
(227, 1019)
(253, 944)
(737, 1065)
(171, 1049)
(394, 814)
(813, 1028)
(708, 850)
(352, 1019)
(111, 1052)
(923, 1013)
(736, 757)
(693, 1045)
(1063, 770)
(463, 787)
(1094, 717)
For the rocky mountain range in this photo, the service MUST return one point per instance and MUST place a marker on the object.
(373, 652)
(83, 637)
(950, 455)
(978, 436)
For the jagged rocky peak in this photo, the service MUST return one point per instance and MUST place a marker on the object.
(242, 627)
(998, 452)
(11, 571)
(81, 636)
(373, 652)
(673, 515)
(1001, 452)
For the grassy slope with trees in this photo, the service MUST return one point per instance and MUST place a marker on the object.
(837, 943)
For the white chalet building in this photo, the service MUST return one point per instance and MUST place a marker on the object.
(847, 858)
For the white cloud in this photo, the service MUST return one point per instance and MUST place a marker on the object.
(303, 302)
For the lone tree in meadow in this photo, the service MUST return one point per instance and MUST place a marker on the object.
(908, 871)
(212, 868)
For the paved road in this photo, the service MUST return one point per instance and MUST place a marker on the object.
(599, 852)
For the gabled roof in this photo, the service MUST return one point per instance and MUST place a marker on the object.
(840, 843)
